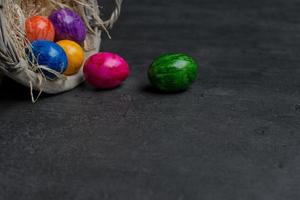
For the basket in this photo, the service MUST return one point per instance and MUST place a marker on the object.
(15, 66)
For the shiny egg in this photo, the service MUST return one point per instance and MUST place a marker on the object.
(68, 25)
(48, 54)
(173, 72)
(39, 28)
(75, 55)
(105, 70)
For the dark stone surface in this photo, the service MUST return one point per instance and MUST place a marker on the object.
(233, 135)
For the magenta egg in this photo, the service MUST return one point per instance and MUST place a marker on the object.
(68, 25)
(105, 70)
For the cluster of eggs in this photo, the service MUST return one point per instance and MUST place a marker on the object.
(168, 73)
(56, 42)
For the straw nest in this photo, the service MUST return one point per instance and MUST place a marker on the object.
(13, 60)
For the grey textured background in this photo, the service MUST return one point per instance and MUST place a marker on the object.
(233, 136)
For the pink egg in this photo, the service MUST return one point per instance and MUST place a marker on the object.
(105, 70)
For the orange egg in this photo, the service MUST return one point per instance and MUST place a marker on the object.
(39, 28)
(75, 56)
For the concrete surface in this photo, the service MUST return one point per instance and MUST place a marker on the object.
(235, 135)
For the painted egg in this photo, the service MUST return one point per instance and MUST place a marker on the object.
(75, 55)
(173, 72)
(68, 25)
(106, 70)
(39, 28)
(48, 54)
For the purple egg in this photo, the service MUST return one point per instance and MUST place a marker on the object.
(68, 25)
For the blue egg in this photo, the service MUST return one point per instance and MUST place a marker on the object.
(49, 54)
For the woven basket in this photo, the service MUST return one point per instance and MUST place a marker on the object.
(17, 68)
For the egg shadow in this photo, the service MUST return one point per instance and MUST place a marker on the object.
(94, 89)
(152, 90)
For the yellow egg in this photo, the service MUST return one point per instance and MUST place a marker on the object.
(75, 56)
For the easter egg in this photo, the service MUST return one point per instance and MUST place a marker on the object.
(39, 28)
(173, 72)
(68, 25)
(48, 54)
(105, 70)
(75, 55)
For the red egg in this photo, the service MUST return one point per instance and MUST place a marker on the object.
(105, 70)
(39, 28)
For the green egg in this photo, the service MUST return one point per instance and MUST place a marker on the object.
(173, 72)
